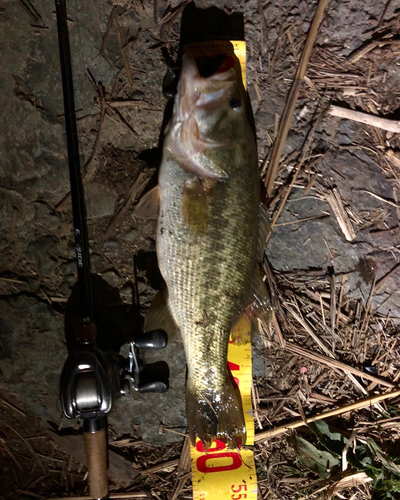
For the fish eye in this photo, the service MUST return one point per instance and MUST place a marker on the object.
(236, 104)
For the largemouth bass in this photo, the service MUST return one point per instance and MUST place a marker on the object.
(207, 235)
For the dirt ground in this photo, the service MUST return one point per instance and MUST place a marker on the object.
(345, 291)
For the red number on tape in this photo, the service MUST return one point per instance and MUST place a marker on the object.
(202, 466)
(219, 446)
(238, 489)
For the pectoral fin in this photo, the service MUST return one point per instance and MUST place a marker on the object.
(159, 315)
(149, 205)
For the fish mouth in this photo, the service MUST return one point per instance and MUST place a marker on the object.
(206, 92)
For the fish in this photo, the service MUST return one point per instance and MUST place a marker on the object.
(207, 239)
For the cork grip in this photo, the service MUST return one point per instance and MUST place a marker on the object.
(96, 457)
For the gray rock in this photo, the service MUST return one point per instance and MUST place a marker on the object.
(42, 253)
(132, 235)
(348, 132)
(110, 245)
(100, 200)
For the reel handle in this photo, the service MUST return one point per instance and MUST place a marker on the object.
(156, 339)
(156, 386)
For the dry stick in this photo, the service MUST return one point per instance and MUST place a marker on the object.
(183, 469)
(134, 494)
(34, 454)
(322, 216)
(333, 308)
(123, 53)
(10, 453)
(384, 13)
(376, 196)
(135, 190)
(161, 467)
(327, 351)
(281, 338)
(358, 116)
(9, 405)
(299, 167)
(334, 363)
(276, 49)
(381, 283)
(358, 405)
(109, 24)
(31, 10)
(262, 25)
(335, 201)
(287, 116)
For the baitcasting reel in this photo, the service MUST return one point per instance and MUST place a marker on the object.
(92, 380)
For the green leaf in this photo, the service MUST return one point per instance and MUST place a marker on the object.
(314, 459)
(382, 458)
(332, 439)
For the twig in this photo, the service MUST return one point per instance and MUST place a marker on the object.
(334, 363)
(333, 307)
(172, 13)
(291, 102)
(335, 201)
(35, 455)
(322, 216)
(109, 24)
(172, 464)
(358, 116)
(281, 338)
(9, 405)
(13, 281)
(10, 453)
(346, 449)
(276, 49)
(304, 153)
(327, 351)
(183, 469)
(391, 203)
(384, 13)
(134, 494)
(31, 10)
(262, 25)
(123, 53)
(358, 405)
(135, 190)
(381, 282)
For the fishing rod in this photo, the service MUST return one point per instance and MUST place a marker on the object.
(92, 380)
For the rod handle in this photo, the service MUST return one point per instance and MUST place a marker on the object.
(96, 458)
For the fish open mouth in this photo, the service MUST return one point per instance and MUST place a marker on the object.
(206, 83)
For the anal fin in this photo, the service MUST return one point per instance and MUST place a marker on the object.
(259, 309)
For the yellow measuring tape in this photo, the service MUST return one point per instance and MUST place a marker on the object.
(219, 473)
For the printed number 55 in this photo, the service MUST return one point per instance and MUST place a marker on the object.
(237, 489)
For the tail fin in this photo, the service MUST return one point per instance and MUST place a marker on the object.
(215, 415)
